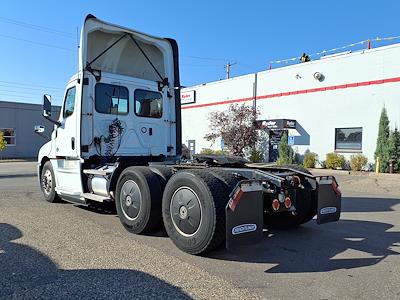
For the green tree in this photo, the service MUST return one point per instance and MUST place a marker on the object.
(3, 142)
(382, 143)
(285, 152)
(394, 147)
(256, 155)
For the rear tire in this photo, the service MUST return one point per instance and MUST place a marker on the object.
(48, 183)
(193, 210)
(138, 199)
(164, 173)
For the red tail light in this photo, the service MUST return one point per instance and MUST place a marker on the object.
(288, 202)
(275, 204)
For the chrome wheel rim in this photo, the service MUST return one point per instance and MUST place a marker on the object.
(47, 182)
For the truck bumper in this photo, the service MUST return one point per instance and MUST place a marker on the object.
(245, 211)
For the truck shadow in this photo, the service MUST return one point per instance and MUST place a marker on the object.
(346, 244)
(28, 273)
(10, 176)
(357, 204)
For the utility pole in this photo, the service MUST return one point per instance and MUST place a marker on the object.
(228, 69)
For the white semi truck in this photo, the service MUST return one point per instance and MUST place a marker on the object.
(118, 140)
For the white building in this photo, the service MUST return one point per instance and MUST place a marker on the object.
(336, 101)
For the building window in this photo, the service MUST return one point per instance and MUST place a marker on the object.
(9, 136)
(148, 104)
(348, 138)
(111, 99)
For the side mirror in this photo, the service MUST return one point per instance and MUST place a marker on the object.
(47, 109)
(46, 106)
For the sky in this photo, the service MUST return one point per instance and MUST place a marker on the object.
(38, 39)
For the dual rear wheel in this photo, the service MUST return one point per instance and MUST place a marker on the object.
(190, 203)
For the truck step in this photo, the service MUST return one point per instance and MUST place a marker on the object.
(104, 171)
(95, 197)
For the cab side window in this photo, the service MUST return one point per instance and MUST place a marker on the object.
(111, 99)
(69, 103)
(148, 104)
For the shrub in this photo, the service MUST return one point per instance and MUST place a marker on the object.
(310, 159)
(335, 161)
(256, 155)
(207, 151)
(3, 142)
(358, 162)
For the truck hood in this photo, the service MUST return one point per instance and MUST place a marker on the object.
(114, 49)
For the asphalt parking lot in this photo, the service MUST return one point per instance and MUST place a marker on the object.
(69, 251)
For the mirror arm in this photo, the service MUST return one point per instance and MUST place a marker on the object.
(52, 121)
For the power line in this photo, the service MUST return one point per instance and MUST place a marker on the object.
(73, 36)
(18, 92)
(37, 27)
(27, 84)
(205, 58)
(27, 88)
(16, 96)
(37, 43)
(203, 66)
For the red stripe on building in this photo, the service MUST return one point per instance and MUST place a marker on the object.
(284, 94)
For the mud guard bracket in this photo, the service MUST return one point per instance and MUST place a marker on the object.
(329, 200)
(244, 214)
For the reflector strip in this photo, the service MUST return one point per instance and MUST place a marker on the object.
(235, 200)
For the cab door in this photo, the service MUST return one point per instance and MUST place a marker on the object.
(67, 164)
(66, 141)
(152, 114)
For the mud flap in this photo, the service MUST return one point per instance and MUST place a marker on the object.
(244, 214)
(329, 200)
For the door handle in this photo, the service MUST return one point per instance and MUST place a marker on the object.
(73, 143)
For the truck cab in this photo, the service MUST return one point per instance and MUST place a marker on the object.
(122, 104)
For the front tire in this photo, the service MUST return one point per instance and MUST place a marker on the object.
(48, 183)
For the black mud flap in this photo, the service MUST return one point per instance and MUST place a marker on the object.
(244, 214)
(329, 200)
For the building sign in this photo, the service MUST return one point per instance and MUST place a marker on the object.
(271, 124)
(289, 124)
(188, 97)
(277, 124)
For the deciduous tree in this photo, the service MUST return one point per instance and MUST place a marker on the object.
(235, 127)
